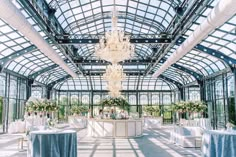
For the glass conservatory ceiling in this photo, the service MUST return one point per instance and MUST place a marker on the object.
(136, 17)
(130, 83)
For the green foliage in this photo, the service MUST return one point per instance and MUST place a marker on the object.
(189, 106)
(152, 110)
(63, 101)
(116, 102)
(232, 111)
(167, 111)
(61, 112)
(75, 109)
(40, 105)
(74, 101)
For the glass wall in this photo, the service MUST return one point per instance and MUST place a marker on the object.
(13, 94)
(137, 100)
(38, 91)
(192, 93)
(220, 99)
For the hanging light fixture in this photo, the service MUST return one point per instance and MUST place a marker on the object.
(114, 87)
(115, 93)
(115, 46)
(114, 73)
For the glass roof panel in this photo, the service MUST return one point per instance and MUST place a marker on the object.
(90, 12)
(135, 17)
(130, 83)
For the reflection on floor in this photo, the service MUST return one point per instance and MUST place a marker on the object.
(154, 143)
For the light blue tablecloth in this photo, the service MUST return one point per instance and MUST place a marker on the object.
(217, 143)
(53, 143)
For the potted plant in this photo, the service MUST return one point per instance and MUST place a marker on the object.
(78, 110)
(152, 110)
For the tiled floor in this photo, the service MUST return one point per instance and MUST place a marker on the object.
(154, 143)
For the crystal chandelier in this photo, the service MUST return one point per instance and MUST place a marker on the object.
(114, 73)
(115, 46)
(114, 86)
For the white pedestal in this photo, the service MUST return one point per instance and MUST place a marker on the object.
(115, 128)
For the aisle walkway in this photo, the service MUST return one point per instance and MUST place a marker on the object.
(154, 143)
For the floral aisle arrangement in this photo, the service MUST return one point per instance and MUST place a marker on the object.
(44, 111)
(152, 110)
(79, 109)
(190, 107)
(115, 102)
(40, 105)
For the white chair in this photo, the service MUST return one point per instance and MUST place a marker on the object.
(186, 136)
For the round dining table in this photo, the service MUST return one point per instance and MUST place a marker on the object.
(219, 143)
(52, 143)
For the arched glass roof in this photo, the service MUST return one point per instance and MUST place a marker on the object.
(200, 62)
(137, 17)
(222, 38)
(92, 17)
(141, 51)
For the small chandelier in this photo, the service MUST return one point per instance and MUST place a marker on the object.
(114, 88)
(114, 73)
(115, 46)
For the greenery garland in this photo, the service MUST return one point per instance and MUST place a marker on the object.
(115, 102)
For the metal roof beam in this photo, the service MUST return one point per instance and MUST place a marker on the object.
(214, 53)
(16, 54)
(59, 80)
(178, 84)
(48, 22)
(197, 76)
(93, 39)
(181, 26)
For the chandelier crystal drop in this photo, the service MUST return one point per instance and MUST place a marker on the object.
(114, 88)
(115, 93)
(114, 73)
(115, 46)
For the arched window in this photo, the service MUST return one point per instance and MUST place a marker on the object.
(194, 95)
(132, 100)
(85, 99)
(155, 100)
(143, 100)
(96, 99)
(36, 92)
(74, 99)
(166, 99)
